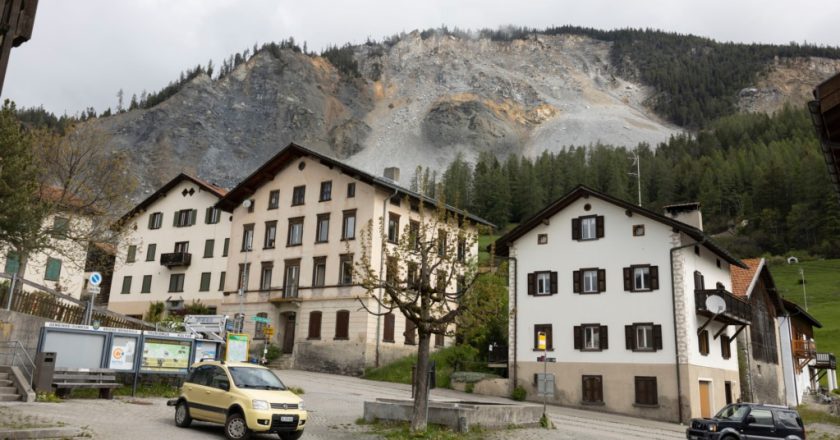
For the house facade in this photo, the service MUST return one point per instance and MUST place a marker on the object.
(802, 364)
(293, 253)
(173, 249)
(621, 294)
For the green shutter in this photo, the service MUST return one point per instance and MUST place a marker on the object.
(150, 253)
(205, 282)
(53, 271)
(132, 254)
(208, 248)
(12, 263)
(147, 284)
(225, 248)
(126, 286)
(222, 282)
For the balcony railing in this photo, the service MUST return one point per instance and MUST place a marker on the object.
(826, 360)
(738, 311)
(804, 349)
(175, 259)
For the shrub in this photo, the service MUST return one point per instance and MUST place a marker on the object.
(518, 394)
(469, 388)
(272, 352)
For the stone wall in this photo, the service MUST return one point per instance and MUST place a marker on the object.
(21, 327)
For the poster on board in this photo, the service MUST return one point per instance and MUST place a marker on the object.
(165, 355)
(237, 347)
(122, 353)
(205, 350)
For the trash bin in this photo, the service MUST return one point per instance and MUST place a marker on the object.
(44, 370)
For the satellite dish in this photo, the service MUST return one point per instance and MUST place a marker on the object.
(715, 304)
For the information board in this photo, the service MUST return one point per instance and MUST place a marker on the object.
(237, 347)
(165, 355)
(122, 353)
(206, 350)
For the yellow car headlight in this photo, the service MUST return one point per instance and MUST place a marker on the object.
(260, 405)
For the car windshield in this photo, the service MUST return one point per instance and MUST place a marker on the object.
(732, 412)
(261, 378)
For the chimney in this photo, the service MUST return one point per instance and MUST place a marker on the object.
(688, 213)
(392, 173)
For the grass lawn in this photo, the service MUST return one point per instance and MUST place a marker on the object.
(822, 284)
(485, 240)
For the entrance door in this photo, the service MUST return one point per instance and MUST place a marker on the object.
(289, 334)
(705, 399)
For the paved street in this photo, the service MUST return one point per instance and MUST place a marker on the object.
(334, 404)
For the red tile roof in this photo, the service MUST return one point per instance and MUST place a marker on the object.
(742, 279)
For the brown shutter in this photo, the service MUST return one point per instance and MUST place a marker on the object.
(628, 279)
(602, 280)
(576, 281)
(553, 277)
(724, 347)
(599, 226)
(654, 277)
(575, 229)
(657, 337)
(629, 337)
(549, 337)
(532, 283)
(388, 333)
(342, 324)
(314, 325)
(578, 335)
(410, 331)
(438, 340)
(604, 338)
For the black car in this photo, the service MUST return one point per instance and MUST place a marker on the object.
(749, 421)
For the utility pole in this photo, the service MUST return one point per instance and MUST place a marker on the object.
(637, 174)
(804, 292)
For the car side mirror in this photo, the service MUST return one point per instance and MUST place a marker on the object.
(750, 419)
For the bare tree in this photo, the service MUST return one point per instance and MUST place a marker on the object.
(428, 270)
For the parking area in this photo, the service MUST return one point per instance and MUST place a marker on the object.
(334, 404)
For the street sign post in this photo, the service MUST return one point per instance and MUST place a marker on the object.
(93, 289)
(95, 279)
(261, 319)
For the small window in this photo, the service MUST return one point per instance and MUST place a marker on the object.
(184, 218)
(151, 250)
(212, 215)
(60, 226)
(549, 338)
(326, 191)
(209, 244)
(351, 190)
(155, 220)
(590, 337)
(298, 195)
(132, 254)
(348, 229)
(638, 230)
(542, 239)
(718, 263)
(176, 282)
(438, 340)
(641, 278)
(265, 275)
(274, 199)
(226, 247)
(53, 270)
(345, 275)
(147, 284)
(542, 283)
(222, 282)
(270, 234)
(292, 281)
(388, 331)
(393, 227)
(126, 285)
(251, 205)
(593, 389)
(314, 325)
(703, 342)
(725, 350)
(12, 263)
(644, 337)
(295, 231)
(410, 332)
(247, 237)
(589, 281)
(322, 229)
(182, 247)
(204, 286)
(588, 228)
(646, 393)
(319, 271)
(342, 324)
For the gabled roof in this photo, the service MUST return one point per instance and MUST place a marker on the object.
(744, 279)
(794, 310)
(292, 152)
(162, 191)
(580, 191)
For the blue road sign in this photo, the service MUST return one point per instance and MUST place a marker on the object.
(95, 279)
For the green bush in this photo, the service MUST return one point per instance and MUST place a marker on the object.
(469, 388)
(272, 352)
(518, 394)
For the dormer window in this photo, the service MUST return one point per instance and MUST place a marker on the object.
(588, 227)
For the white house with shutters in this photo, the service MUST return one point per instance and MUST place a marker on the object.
(173, 249)
(621, 293)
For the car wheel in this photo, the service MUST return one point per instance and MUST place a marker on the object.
(236, 428)
(182, 415)
(290, 435)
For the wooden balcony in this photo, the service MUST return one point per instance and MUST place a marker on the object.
(738, 311)
(175, 259)
(804, 349)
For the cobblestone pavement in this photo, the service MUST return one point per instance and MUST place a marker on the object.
(334, 404)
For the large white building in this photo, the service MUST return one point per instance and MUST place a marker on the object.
(172, 249)
(621, 293)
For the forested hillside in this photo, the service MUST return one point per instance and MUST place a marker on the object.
(761, 181)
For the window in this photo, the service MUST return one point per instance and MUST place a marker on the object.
(182, 247)
(295, 231)
(270, 234)
(703, 342)
(209, 244)
(247, 237)
(646, 391)
(12, 263)
(393, 227)
(412, 276)
(392, 271)
(395, 200)
(292, 281)
(441, 243)
(53, 271)
(212, 215)
(225, 247)
(593, 389)
(588, 228)
(643, 337)
(542, 283)
(126, 285)
(222, 281)
(60, 226)
(762, 417)
(176, 282)
(638, 230)
(438, 340)
(265, 275)
(414, 234)
(326, 191)
(298, 195)
(151, 250)
(410, 332)
(388, 331)
(259, 327)
(351, 190)
(589, 280)
(147, 284)
(342, 324)
(345, 274)
(274, 199)
(699, 281)
(132, 254)
(314, 325)
(542, 239)
(322, 229)
(549, 338)
(462, 249)
(155, 220)
(242, 279)
(641, 278)
(250, 205)
(590, 337)
(725, 351)
(319, 271)
(184, 217)
(204, 286)
(348, 229)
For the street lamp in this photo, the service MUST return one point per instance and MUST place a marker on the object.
(246, 246)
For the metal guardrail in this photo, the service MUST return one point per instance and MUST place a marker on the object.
(174, 259)
(14, 354)
(737, 309)
(826, 360)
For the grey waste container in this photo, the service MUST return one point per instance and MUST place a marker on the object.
(44, 370)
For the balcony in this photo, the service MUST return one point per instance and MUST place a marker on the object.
(804, 349)
(738, 311)
(826, 360)
(175, 259)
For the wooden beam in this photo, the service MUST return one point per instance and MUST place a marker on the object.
(722, 329)
(737, 332)
(709, 321)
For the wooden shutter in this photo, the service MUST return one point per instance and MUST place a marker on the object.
(537, 329)
(315, 325)
(207, 215)
(602, 280)
(576, 281)
(549, 338)
(657, 337)
(630, 337)
(699, 283)
(193, 215)
(532, 283)
(604, 338)
(410, 331)
(578, 335)
(628, 279)
(575, 229)
(553, 277)
(724, 347)
(703, 342)
(599, 226)
(388, 333)
(175, 218)
(654, 277)
(342, 324)
(152, 221)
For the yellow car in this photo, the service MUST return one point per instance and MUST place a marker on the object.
(245, 397)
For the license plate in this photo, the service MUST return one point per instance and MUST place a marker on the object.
(694, 437)
(287, 419)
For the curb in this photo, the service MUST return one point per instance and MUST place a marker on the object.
(15, 434)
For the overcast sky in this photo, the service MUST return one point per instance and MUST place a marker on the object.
(83, 51)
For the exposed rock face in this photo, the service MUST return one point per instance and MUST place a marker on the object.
(787, 81)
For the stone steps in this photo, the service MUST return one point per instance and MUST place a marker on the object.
(284, 362)
(8, 391)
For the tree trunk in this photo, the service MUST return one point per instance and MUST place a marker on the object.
(421, 383)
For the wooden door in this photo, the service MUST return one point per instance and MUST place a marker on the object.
(289, 334)
(705, 399)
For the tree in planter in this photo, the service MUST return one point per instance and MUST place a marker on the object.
(428, 270)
